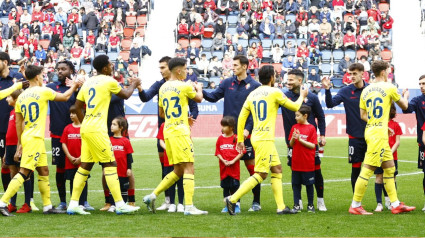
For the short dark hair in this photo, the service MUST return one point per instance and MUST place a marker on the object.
(5, 56)
(242, 59)
(67, 62)
(422, 77)
(176, 62)
(228, 121)
(265, 74)
(123, 124)
(32, 71)
(305, 110)
(378, 66)
(356, 66)
(297, 73)
(165, 59)
(73, 109)
(100, 62)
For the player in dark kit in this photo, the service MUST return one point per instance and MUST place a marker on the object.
(235, 90)
(295, 79)
(350, 96)
(417, 105)
(59, 119)
(147, 95)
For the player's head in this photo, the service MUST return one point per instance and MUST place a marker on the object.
(4, 62)
(163, 67)
(295, 79)
(379, 69)
(119, 126)
(302, 114)
(102, 65)
(227, 125)
(355, 72)
(64, 70)
(35, 74)
(11, 99)
(393, 111)
(240, 65)
(266, 75)
(422, 83)
(73, 114)
(178, 68)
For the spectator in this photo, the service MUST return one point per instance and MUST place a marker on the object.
(373, 38)
(252, 66)
(101, 43)
(277, 53)
(349, 41)
(344, 64)
(91, 21)
(87, 55)
(375, 52)
(210, 4)
(302, 50)
(72, 28)
(233, 7)
(74, 16)
(325, 26)
(337, 26)
(199, 6)
(58, 30)
(114, 43)
(252, 50)
(7, 35)
(288, 63)
(289, 49)
(336, 3)
(362, 18)
(279, 7)
(362, 41)
(313, 13)
(267, 30)
(215, 68)
(227, 63)
(325, 14)
(365, 63)
(185, 14)
(242, 29)
(138, 39)
(47, 31)
(302, 15)
(16, 53)
(303, 30)
(245, 8)
(25, 18)
(108, 16)
(279, 29)
(349, 7)
(254, 32)
(315, 56)
(54, 42)
(62, 17)
(302, 65)
(350, 25)
(223, 7)
(188, 5)
(314, 26)
(240, 50)
(197, 29)
(141, 7)
(14, 15)
(217, 43)
(6, 7)
(21, 40)
(192, 16)
(63, 52)
(211, 85)
(192, 49)
(120, 65)
(76, 53)
(191, 76)
(385, 40)
(337, 41)
(269, 14)
(313, 77)
(230, 51)
(202, 65)
(291, 7)
(325, 42)
(49, 16)
(314, 40)
(37, 15)
(180, 52)
(32, 43)
(68, 41)
(210, 18)
(386, 22)
(40, 54)
(219, 27)
(135, 52)
(290, 30)
(374, 13)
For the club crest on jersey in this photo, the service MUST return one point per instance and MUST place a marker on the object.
(352, 92)
(247, 86)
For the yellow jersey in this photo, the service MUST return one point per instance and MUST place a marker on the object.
(33, 104)
(376, 101)
(96, 92)
(6, 92)
(174, 98)
(263, 104)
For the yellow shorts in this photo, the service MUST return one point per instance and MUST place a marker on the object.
(96, 147)
(179, 149)
(378, 151)
(33, 153)
(266, 156)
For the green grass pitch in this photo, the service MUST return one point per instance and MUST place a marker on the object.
(208, 196)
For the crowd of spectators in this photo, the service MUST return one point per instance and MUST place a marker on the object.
(46, 32)
(324, 35)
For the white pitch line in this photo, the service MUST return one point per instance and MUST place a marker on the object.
(266, 184)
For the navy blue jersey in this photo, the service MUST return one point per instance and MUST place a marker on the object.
(350, 96)
(234, 93)
(417, 105)
(4, 106)
(147, 95)
(59, 111)
(116, 109)
(316, 112)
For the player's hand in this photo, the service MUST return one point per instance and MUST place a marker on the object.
(191, 121)
(304, 91)
(3, 165)
(25, 83)
(129, 172)
(322, 141)
(240, 147)
(18, 154)
(245, 134)
(198, 86)
(406, 93)
(326, 83)
(135, 81)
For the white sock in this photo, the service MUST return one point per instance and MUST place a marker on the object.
(167, 200)
(320, 200)
(355, 204)
(73, 204)
(187, 207)
(2, 204)
(387, 199)
(119, 203)
(46, 208)
(395, 204)
(32, 200)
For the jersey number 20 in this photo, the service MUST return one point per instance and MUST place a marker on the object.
(166, 104)
(376, 109)
(260, 109)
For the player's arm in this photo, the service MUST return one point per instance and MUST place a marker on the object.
(199, 96)
(243, 115)
(330, 101)
(162, 144)
(63, 97)
(403, 103)
(6, 92)
(411, 105)
(126, 93)
(215, 95)
(293, 106)
(147, 95)
(19, 129)
(397, 143)
(193, 109)
(363, 115)
(79, 110)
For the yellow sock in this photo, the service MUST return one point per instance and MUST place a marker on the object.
(169, 179)
(13, 187)
(276, 182)
(361, 184)
(189, 188)
(246, 186)
(44, 187)
(389, 184)
(80, 179)
(111, 177)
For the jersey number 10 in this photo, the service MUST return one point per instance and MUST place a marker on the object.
(260, 109)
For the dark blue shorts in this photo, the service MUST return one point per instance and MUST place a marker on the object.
(250, 154)
(305, 178)
(379, 170)
(229, 182)
(10, 155)
(356, 150)
(421, 162)
(317, 160)
(58, 156)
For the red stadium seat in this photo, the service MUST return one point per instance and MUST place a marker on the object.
(125, 55)
(130, 21)
(360, 53)
(384, 7)
(142, 20)
(128, 32)
(208, 32)
(197, 41)
(44, 43)
(386, 55)
(277, 67)
(134, 67)
(184, 43)
(126, 44)
(140, 29)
